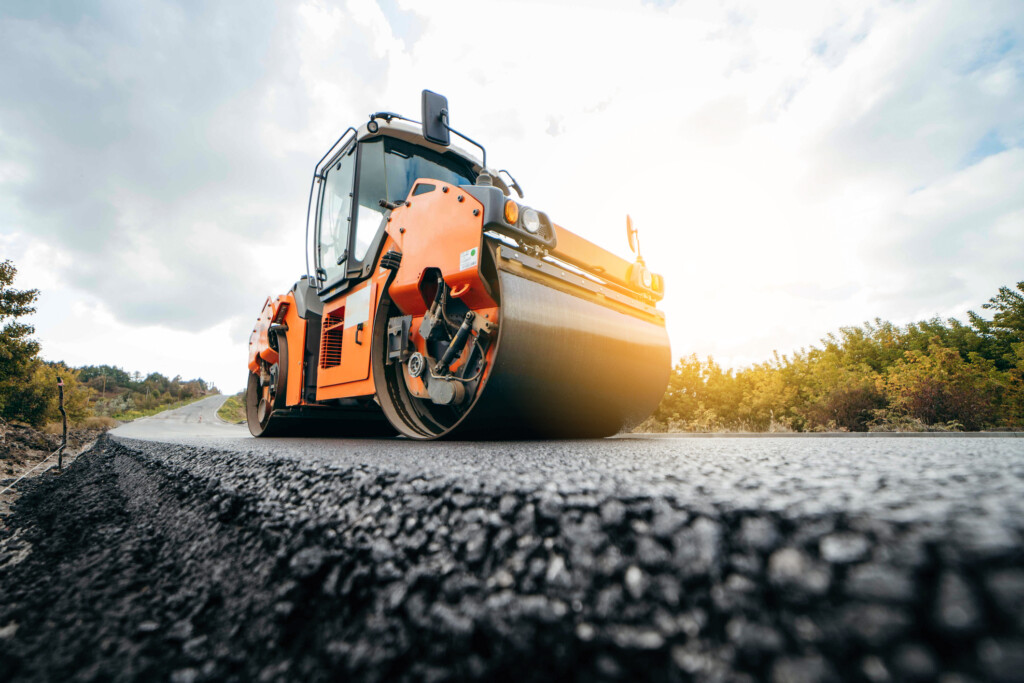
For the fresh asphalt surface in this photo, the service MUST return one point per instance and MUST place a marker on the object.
(189, 551)
(900, 479)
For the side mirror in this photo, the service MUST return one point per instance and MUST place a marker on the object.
(634, 246)
(435, 118)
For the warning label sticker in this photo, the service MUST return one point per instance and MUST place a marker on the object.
(357, 307)
(468, 258)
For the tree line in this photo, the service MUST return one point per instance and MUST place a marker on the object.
(28, 384)
(929, 375)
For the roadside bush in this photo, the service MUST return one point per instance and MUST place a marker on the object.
(928, 375)
(37, 397)
(121, 403)
(94, 422)
(768, 399)
(940, 387)
(886, 420)
(54, 428)
(845, 408)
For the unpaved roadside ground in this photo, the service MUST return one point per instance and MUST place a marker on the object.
(23, 448)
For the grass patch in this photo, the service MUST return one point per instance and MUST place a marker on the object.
(53, 428)
(134, 414)
(94, 422)
(233, 410)
(98, 422)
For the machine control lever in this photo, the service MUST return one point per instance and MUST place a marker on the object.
(391, 206)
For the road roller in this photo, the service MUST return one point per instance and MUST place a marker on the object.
(437, 304)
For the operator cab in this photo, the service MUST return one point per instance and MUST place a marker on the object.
(379, 163)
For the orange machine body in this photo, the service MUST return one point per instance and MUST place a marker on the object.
(406, 334)
(434, 230)
(440, 229)
(279, 310)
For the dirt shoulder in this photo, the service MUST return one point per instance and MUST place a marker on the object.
(23, 447)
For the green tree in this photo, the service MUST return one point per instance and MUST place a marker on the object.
(685, 386)
(114, 376)
(18, 351)
(1007, 325)
(37, 397)
(156, 382)
(1013, 411)
(768, 398)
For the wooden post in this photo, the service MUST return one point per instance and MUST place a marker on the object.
(64, 415)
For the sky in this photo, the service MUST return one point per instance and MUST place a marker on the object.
(792, 167)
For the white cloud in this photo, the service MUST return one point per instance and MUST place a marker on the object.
(792, 166)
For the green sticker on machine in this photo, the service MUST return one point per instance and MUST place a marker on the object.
(468, 259)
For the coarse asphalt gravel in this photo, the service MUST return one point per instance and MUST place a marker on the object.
(181, 549)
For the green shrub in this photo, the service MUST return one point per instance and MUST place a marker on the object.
(928, 375)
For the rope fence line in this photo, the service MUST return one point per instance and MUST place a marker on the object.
(63, 441)
(64, 415)
(38, 465)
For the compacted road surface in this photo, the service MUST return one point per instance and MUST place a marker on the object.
(182, 549)
(197, 419)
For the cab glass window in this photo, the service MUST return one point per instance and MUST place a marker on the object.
(407, 162)
(335, 216)
(372, 188)
(387, 169)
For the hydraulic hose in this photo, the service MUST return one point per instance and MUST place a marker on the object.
(454, 349)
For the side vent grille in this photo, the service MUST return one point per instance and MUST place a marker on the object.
(330, 339)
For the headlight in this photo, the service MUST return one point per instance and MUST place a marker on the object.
(646, 278)
(531, 221)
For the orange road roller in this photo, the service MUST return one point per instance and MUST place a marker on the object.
(438, 305)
